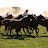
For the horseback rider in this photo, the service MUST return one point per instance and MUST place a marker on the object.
(7, 15)
(25, 14)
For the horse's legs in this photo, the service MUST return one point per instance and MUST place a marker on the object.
(24, 31)
(0, 28)
(36, 32)
(31, 30)
(16, 29)
(27, 30)
(10, 31)
(17, 32)
(5, 28)
(38, 29)
(7, 32)
(20, 30)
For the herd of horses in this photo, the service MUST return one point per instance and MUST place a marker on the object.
(29, 22)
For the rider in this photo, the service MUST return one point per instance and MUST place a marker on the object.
(25, 14)
(7, 14)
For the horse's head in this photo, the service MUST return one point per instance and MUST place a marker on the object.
(40, 17)
(5, 21)
(2, 22)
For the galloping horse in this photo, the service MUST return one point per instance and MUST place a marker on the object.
(34, 25)
(4, 21)
(24, 23)
(42, 21)
(9, 17)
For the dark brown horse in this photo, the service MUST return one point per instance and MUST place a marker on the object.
(42, 21)
(1, 20)
(34, 26)
(24, 23)
(4, 21)
(9, 17)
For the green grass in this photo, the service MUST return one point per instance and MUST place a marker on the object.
(14, 41)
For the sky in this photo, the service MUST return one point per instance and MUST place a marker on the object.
(37, 5)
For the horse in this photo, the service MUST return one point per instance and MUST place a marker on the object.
(4, 21)
(42, 21)
(34, 26)
(1, 20)
(24, 23)
(9, 17)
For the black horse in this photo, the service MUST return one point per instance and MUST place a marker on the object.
(24, 23)
(1, 21)
(4, 21)
(42, 21)
(34, 25)
(9, 17)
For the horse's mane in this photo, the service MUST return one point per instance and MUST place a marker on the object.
(26, 19)
(19, 16)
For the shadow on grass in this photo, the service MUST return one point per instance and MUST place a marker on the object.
(43, 36)
(20, 37)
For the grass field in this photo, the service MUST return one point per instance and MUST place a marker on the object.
(13, 41)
